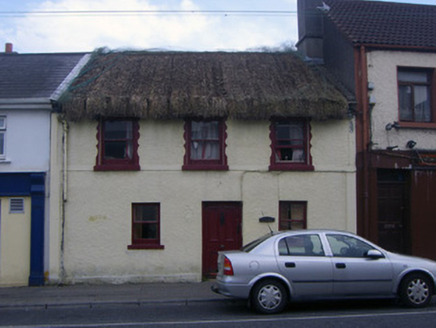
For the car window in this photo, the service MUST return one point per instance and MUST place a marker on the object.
(303, 245)
(250, 246)
(347, 246)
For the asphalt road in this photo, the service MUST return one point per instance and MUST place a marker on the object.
(383, 314)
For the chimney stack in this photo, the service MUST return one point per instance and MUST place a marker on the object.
(310, 28)
(9, 48)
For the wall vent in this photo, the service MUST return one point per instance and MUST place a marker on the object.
(16, 205)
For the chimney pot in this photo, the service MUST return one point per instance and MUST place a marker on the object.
(8, 48)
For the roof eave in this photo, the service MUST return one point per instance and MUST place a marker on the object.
(394, 47)
(26, 103)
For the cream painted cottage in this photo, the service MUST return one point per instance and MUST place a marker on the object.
(163, 159)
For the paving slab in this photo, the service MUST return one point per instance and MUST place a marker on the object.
(87, 294)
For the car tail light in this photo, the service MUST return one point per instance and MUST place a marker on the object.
(228, 269)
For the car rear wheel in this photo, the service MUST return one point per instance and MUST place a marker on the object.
(416, 290)
(269, 297)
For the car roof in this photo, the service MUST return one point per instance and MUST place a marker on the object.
(312, 231)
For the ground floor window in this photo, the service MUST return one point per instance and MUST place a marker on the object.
(146, 226)
(292, 215)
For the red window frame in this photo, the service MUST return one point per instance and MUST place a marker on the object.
(286, 219)
(139, 225)
(129, 163)
(219, 164)
(280, 146)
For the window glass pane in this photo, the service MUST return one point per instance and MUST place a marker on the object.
(422, 104)
(289, 134)
(118, 130)
(292, 215)
(205, 130)
(145, 213)
(205, 141)
(145, 223)
(345, 246)
(118, 150)
(118, 139)
(205, 150)
(2, 123)
(145, 231)
(2, 144)
(306, 245)
(405, 99)
(290, 142)
(409, 76)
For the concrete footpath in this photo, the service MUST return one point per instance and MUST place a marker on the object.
(105, 294)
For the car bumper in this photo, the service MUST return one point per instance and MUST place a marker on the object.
(231, 290)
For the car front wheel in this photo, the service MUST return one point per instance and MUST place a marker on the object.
(416, 290)
(269, 297)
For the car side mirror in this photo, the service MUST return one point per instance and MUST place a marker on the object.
(374, 254)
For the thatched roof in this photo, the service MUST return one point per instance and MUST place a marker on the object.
(170, 85)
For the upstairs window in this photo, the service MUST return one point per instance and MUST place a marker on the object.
(205, 145)
(117, 145)
(2, 137)
(290, 145)
(415, 88)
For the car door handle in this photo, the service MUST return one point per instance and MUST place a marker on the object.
(340, 265)
(290, 264)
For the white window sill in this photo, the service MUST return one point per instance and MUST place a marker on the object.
(5, 161)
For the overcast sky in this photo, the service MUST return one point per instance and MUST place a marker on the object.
(206, 25)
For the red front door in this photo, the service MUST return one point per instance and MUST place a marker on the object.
(221, 231)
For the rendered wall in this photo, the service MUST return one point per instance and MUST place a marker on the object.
(14, 244)
(27, 141)
(97, 227)
(382, 71)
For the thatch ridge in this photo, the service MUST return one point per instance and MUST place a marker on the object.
(171, 85)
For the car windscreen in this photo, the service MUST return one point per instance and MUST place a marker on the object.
(250, 246)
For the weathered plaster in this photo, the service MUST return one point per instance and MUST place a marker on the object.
(382, 72)
(98, 209)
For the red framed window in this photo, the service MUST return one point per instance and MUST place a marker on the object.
(415, 89)
(292, 215)
(290, 145)
(146, 226)
(117, 145)
(205, 145)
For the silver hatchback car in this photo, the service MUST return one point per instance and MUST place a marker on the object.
(320, 264)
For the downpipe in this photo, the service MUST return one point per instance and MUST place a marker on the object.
(63, 197)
